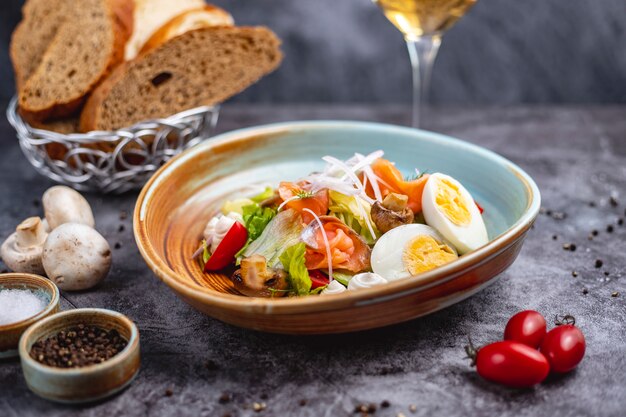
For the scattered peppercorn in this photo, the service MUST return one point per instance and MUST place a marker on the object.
(606, 273)
(302, 402)
(36, 203)
(121, 228)
(169, 392)
(385, 404)
(592, 204)
(585, 291)
(574, 274)
(258, 407)
(620, 222)
(554, 237)
(613, 201)
(117, 245)
(594, 232)
(78, 346)
(609, 228)
(225, 398)
(599, 263)
(615, 294)
(264, 396)
(569, 246)
(549, 212)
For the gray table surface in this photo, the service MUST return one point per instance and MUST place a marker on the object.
(576, 155)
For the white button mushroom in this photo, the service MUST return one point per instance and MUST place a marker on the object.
(22, 251)
(76, 257)
(62, 204)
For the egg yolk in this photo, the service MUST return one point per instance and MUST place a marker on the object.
(424, 253)
(451, 203)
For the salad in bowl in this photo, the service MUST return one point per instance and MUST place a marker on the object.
(356, 224)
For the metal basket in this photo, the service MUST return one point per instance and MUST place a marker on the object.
(115, 161)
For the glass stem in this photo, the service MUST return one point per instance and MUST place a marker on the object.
(422, 51)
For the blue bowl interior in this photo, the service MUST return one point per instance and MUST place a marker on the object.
(296, 151)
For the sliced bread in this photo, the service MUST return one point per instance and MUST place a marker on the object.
(204, 66)
(206, 16)
(150, 15)
(87, 44)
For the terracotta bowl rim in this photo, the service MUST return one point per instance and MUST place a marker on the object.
(294, 305)
(115, 361)
(42, 283)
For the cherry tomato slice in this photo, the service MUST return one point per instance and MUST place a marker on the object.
(564, 347)
(224, 254)
(512, 363)
(527, 327)
(318, 279)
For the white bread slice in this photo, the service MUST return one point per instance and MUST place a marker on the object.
(191, 19)
(150, 15)
(88, 42)
(203, 66)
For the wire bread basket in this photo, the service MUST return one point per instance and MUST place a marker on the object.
(115, 161)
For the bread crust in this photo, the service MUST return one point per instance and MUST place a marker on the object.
(120, 14)
(170, 29)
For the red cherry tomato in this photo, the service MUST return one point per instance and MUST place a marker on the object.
(527, 327)
(512, 363)
(224, 254)
(564, 347)
(318, 279)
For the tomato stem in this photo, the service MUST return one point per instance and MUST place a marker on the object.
(566, 319)
(471, 351)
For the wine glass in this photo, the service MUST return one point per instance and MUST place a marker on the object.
(423, 23)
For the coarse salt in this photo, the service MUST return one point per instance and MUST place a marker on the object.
(18, 305)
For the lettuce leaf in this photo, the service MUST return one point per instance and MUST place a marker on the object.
(236, 205)
(282, 232)
(256, 219)
(293, 262)
(345, 208)
(266, 194)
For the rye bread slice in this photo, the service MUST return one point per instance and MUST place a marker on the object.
(203, 66)
(87, 44)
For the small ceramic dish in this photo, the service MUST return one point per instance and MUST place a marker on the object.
(175, 205)
(10, 333)
(88, 383)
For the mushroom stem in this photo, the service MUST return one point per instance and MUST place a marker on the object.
(31, 232)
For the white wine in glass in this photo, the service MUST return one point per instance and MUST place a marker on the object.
(423, 23)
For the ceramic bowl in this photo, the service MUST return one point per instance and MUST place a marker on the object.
(89, 383)
(10, 333)
(176, 203)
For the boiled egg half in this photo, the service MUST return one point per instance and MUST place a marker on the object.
(450, 208)
(410, 250)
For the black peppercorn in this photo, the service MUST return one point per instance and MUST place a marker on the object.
(599, 263)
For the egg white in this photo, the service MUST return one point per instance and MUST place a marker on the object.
(387, 255)
(465, 238)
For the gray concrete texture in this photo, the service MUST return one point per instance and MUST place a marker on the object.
(576, 155)
(502, 52)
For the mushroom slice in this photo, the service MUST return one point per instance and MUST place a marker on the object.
(255, 279)
(62, 204)
(76, 257)
(22, 251)
(393, 212)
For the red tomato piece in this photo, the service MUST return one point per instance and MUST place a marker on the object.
(564, 347)
(224, 254)
(479, 207)
(527, 327)
(512, 363)
(318, 279)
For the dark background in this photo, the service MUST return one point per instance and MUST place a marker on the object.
(502, 52)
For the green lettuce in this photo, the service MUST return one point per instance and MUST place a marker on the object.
(266, 194)
(346, 208)
(256, 219)
(293, 262)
